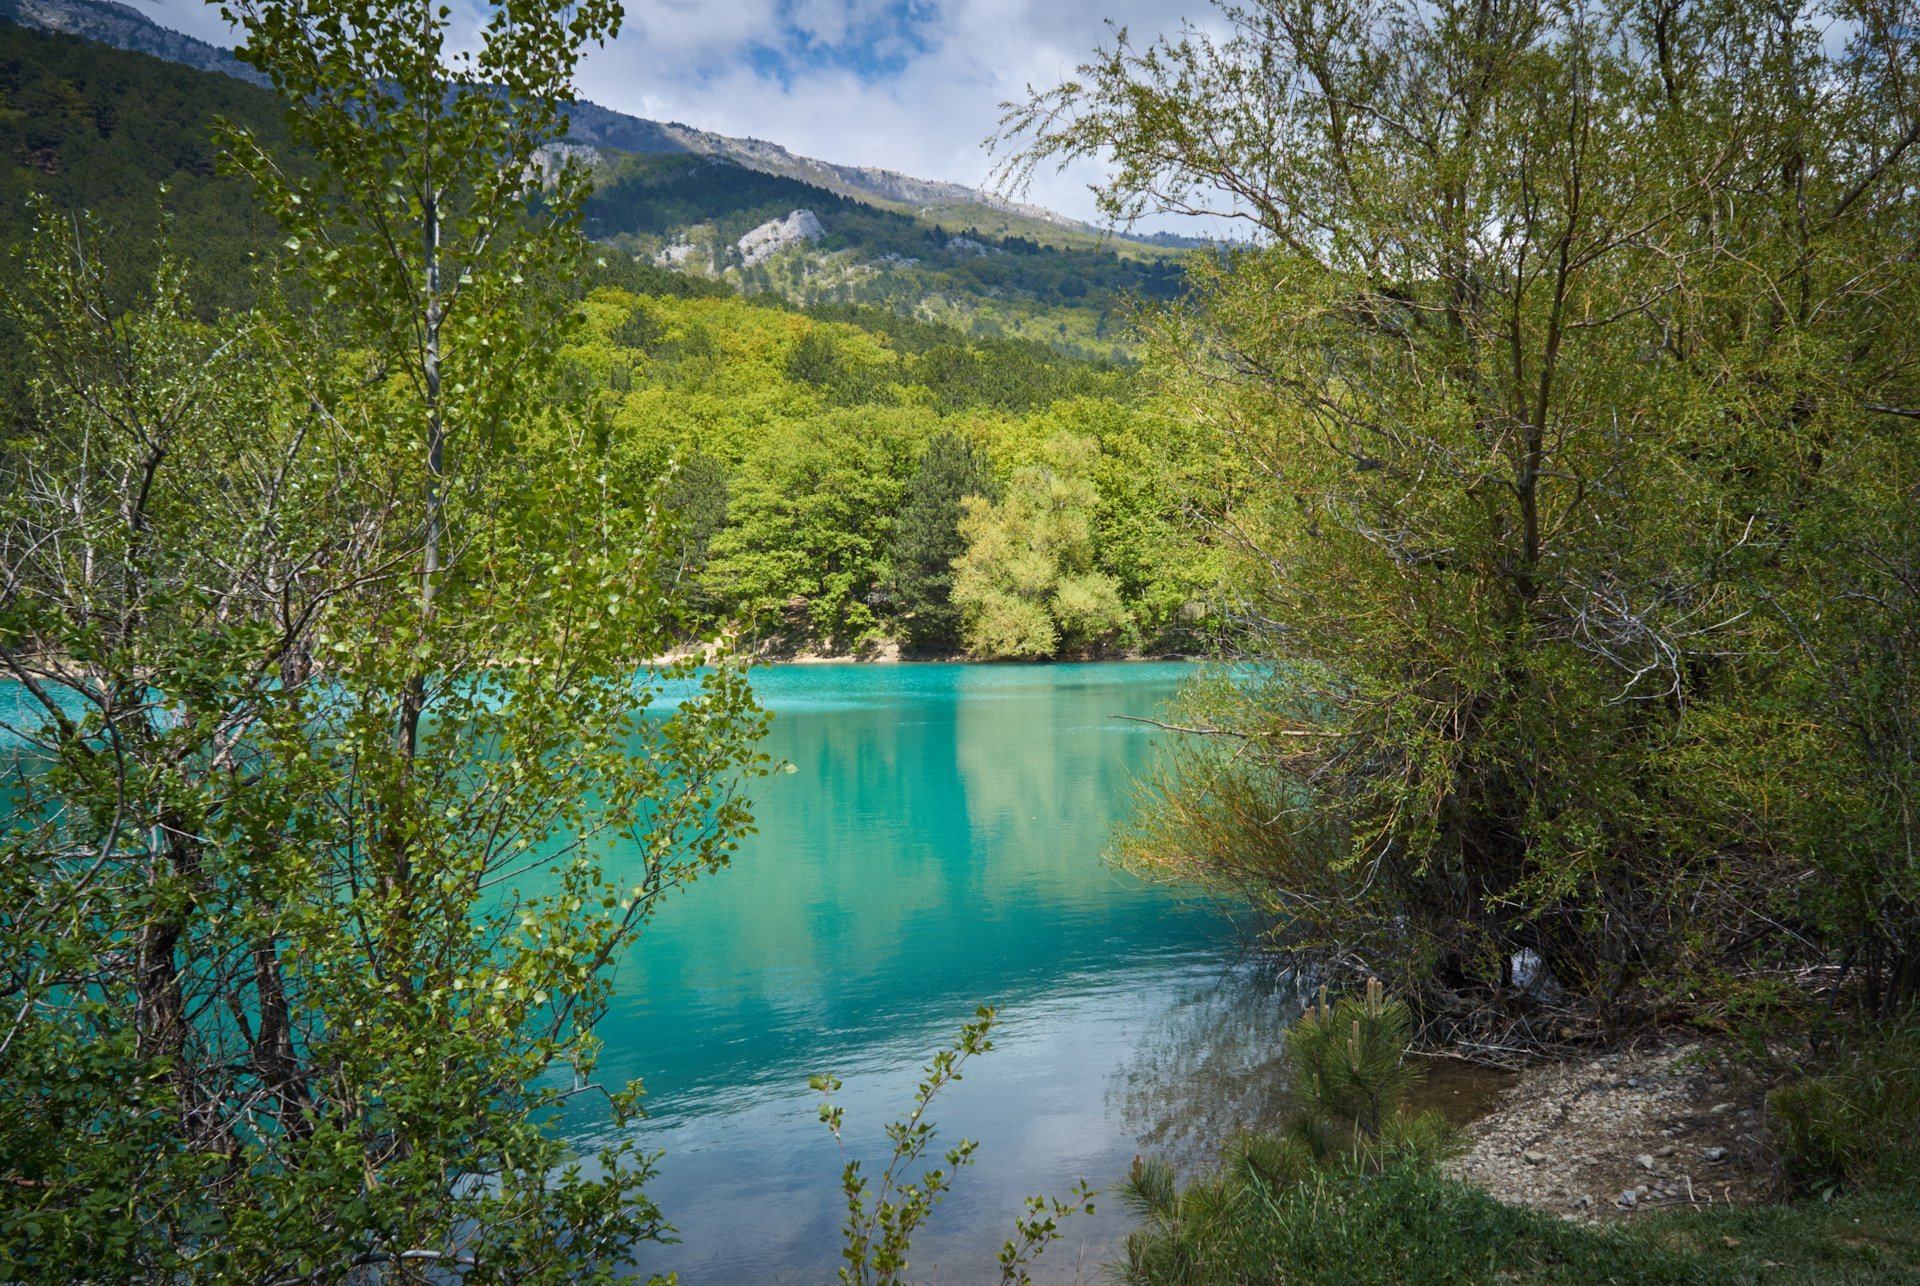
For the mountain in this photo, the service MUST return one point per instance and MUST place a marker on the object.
(110, 23)
(92, 129)
(91, 126)
(764, 233)
(123, 27)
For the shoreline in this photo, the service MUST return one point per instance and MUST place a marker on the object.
(892, 654)
(1606, 1136)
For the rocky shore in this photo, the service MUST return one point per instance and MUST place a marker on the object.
(1613, 1135)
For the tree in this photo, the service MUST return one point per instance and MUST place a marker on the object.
(881, 1219)
(926, 538)
(810, 519)
(328, 638)
(696, 495)
(817, 361)
(1567, 351)
(1026, 584)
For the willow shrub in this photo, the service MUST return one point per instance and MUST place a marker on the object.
(1566, 393)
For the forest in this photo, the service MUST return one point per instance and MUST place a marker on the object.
(386, 537)
(819, 469)
(1074, 297)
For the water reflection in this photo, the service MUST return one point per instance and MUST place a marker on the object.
(939, 846)
(1210, 1065)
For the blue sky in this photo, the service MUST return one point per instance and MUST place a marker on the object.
(907, 85)
(878, 44)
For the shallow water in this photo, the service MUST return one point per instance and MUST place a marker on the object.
(938, 847)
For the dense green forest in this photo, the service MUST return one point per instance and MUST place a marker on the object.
(800, 446)
(99, 130)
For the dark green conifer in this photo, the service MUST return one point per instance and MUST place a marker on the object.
(927, 538)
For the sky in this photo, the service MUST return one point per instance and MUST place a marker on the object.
(907, 85)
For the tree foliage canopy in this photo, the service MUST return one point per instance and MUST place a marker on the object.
(927, 540)
(324, 641)
(1570, 372)
(1028, 584)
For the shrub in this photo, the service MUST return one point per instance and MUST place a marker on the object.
(1856, 1124)
(1350, 1078)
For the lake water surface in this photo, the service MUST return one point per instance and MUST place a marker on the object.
(938, 847)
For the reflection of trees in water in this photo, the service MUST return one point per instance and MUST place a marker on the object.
(1210, 1066)
(1047, 772)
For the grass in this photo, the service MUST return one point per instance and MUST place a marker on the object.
(1348, 1193)
(1871, 1236)
(1408, 1225)
(1855, 1124)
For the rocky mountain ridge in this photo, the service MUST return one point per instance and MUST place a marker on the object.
(124, 27)
(770, 238)
(107, 22)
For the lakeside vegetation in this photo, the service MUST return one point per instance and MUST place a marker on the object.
(1577, 601)
(819, 461)
(1581, 574)
(1555, 496)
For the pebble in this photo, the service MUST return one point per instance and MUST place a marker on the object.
(1533, 1156)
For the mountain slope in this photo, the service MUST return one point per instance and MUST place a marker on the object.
(123, 27)
(710, 216)
(100, 129)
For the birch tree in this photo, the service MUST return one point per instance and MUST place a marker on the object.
(331, 707)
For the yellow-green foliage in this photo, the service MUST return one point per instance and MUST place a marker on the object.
(808, 432)
(1027, 583)
(1576, 554)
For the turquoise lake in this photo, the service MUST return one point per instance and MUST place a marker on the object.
(939, 846)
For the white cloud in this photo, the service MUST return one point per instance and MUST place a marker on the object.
(201, 20)
(692, 62)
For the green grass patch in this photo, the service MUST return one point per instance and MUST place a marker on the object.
(1856, 1123)
(1871, 1236)
(1408, 1225)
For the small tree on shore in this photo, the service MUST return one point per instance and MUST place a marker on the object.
(1027, 585)
(327, 641)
